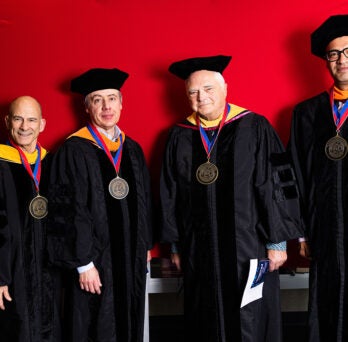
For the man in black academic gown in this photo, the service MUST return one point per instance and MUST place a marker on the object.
(27, 297)
(318, 145)
(228, 195)
(101, 229)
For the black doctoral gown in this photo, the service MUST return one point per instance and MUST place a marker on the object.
(323, 185)
(32, 315)
(221, 226)
(89, 225)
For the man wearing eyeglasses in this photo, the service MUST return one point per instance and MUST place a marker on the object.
(318, 145)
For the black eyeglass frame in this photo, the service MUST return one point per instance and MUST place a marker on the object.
(339, 52)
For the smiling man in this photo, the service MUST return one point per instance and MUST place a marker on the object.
(27, 296)
(319, 147)
(101, 230)
(227, 196)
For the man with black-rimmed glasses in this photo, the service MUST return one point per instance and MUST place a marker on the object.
(318, 145)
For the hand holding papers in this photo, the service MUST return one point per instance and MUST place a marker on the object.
(254, 285)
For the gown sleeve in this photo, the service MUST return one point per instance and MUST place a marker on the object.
(144, 196)
(301, 152)
(5, 236)
(168, 194)
(276, 189)
(70, 232)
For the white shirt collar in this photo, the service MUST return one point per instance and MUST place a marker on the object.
(112, 137)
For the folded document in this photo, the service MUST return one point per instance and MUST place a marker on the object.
(254, 285)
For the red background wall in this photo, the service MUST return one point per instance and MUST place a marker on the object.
(46, 43)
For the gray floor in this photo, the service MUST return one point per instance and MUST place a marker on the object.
(169, 328)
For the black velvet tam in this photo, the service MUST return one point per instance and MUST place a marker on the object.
(334, 27)
(97, 79)
(183, 69)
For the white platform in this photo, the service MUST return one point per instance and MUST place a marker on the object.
(171, 285)
(295, 282)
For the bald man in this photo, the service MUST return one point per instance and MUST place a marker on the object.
(27, 306)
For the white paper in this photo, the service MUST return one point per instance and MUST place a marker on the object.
(254, 285)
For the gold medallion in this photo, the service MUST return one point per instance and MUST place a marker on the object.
(118, 188)
(207, 173)
(38, 207)
(336, 148)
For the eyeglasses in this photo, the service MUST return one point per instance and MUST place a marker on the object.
(335, 55)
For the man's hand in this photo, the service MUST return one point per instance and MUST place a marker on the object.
(149, 256)
(276, 259)
(90, 281)
(175, 258)
(4, 294)
(304, 250)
